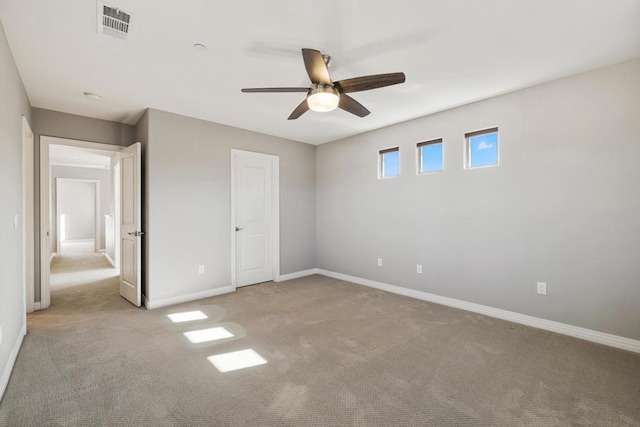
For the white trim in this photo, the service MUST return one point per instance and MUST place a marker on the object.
(536, 322)
(36, 306)
(111, 261)
(78, 165)
(28, 217)
(6, 373)
(80, 144)
(163, 302)
(297, 275)
(275, 211)
(45, 239)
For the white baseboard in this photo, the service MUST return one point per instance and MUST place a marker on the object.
(163, 302)
(296, 275)
(36, 306)
(53, 255)
(111, 261)
(6, 373)
(536, 322)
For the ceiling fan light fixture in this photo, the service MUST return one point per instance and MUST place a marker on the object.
(323, 98)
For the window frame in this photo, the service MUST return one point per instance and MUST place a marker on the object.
(419, 146)
(381, 154)
(467, 149)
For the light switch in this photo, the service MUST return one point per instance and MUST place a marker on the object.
(16, 221)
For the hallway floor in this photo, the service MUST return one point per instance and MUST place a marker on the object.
(80, 268)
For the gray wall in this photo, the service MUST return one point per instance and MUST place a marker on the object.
(13, 104)
(188, 202)
(63, 125)
(563, 207)
(101, 175)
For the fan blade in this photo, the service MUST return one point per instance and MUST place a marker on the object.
(349, 104)
(300, 110)
(275, 89)
(358, 84)
(316, 68)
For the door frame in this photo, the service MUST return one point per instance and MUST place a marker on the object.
(28, 216)
(96, 217)
(45, 208)
(275, 212)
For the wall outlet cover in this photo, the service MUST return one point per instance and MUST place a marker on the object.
(542, 288)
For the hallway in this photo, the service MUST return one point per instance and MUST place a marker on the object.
(77, 266)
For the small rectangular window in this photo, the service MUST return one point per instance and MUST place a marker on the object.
(430, 156)
(482, 148)
(389, 162)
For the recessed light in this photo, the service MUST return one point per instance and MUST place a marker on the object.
(199, 47)
(92, 96)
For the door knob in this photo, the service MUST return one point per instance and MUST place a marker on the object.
(135, 233)
(238, 228)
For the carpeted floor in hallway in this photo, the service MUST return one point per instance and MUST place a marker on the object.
(337, 354)
(79, 268)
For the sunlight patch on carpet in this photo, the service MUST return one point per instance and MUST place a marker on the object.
(187, 316)
(204, 335)
(235, 360)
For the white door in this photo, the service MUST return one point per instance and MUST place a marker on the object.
(254, 184)
(130, 221)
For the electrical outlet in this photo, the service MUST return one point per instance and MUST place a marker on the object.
(16, 221)
(379, 262)
(419, 268)
(542, 288)
(200, 269)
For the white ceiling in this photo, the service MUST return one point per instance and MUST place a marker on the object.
(452, 52)
(64, 155)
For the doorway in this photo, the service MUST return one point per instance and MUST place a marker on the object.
(255, 218)
(77, 215)
(77, 231)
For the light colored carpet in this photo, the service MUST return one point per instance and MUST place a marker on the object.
(76, 247)
(338, 354)
(79, 269)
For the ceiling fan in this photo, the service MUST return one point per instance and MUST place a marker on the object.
(325, 95)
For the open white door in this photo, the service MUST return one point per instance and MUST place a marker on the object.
(130, 224)
(255, 215)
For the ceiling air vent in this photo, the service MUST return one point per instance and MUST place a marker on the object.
(112, 21)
